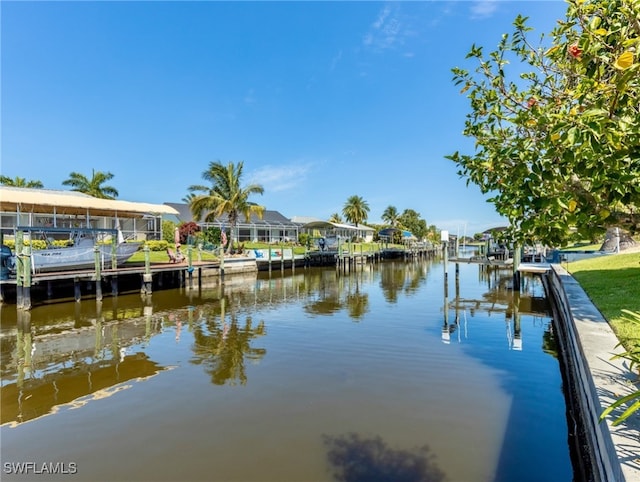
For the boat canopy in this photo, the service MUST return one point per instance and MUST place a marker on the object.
(48, 201)
(330, 225)
(388, 232)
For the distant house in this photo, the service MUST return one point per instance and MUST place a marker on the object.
(347, 231)
(273, 227)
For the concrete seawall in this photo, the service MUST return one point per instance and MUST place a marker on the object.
(595, 379)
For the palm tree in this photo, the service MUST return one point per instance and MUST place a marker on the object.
(356, 210)
(335, 218)
(188, 198)
(391, 216)
(94, 186)
(20, 182)
(225, 196)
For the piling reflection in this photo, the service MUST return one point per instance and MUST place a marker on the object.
(355, 459)
(69, 367)
(499, 298)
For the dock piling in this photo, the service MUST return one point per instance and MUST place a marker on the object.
(77, 290)
(98, 273)
(147, 280)
(26, 296)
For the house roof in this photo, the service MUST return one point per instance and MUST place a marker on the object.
(269, 217)
(18, 199)
(329, 225)
(304, 219)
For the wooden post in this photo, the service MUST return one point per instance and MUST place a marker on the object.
(114, 285)
(516, 264)
(446, 261)
(445, 327)
(19, 269)
(114, 252)
(77, 291)
(146, 277)
(98, 273)
(222, 264)
(26, 301)
(517, 328)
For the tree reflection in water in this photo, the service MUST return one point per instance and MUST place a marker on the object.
(358, 305)
(224, 346)
(331, 295)
(399, 278)
(355, 459)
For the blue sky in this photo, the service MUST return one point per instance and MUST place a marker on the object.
(321, 100)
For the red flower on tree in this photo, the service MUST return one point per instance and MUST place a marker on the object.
(575, 51)
(531, 102)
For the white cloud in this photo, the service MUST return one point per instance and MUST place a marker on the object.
(384, 13)
(483, 9)
(386, 31)
(282, 177)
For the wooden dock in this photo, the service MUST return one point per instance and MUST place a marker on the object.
(139, 277)
(534, 267)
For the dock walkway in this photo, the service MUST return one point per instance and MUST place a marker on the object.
(533, 267)
(129, 278)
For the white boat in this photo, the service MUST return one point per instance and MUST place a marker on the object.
(82, 254)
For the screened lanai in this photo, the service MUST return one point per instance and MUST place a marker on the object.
(273, 227)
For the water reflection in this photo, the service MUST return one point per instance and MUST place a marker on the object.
(499, 298)
(75, 350)
(68, 367)
(284, 358)
(223, 346)
(356, 459)
(402, 278)
(328, 292)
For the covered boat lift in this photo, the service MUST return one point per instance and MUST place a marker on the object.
(331, 230)
(69, 209)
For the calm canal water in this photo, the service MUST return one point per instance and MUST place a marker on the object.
(380, 374)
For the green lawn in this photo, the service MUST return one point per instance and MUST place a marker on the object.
(162, 257)
(613, 284)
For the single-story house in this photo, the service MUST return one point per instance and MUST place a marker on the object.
(273, 227)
